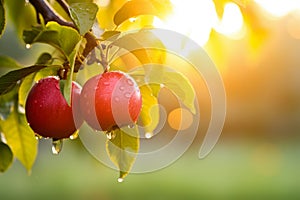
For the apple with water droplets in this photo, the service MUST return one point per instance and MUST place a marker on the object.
(47, 111)
(110, 100)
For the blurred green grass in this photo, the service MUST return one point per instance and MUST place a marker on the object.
(236, 169)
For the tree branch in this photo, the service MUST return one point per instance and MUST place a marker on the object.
(43, 7)
(64, 5)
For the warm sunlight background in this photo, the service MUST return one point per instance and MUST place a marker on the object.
(197, 19)
(256, 46)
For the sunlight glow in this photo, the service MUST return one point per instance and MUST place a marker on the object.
(279, 8)
(194, 19)
(232, 22)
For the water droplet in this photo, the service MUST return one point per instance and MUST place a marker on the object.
(56, 146)
(117, 99)
(130, 82)
(28, 46)
(149, 135)
(120, 180)
(21, 109)
(132, 19)
(131, 126)
(106, 83)
(98, 63)
(127, 95)
(122, 88)
(110, 135)
(74, 135)
(35, 101)
(38, 137)
(2, 138)
(40, 105)
(57, 87)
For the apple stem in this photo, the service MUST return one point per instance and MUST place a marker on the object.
(103, 60)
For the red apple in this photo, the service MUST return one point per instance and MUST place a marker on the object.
(109, 100)
(48, 113)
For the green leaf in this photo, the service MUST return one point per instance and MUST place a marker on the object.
(67, 85)
(6, 157)
(7, 62)
(6, 103)
(174, 81)
(20, 138)
(29, 80)
(135, 43)
(134, 8)
(2, 18)
(21, 15)
(44, 58)
(149, 115)
(10, 80)
(61, 37)
(83, 15)
(109, 34)
(181, 87)
(122, 149)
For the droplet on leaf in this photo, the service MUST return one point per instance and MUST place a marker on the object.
(21, 109)
(38, 137)
(120, 180)
(28, 46)
(109, 135)
(149, 135)
(74, 135)
(132, 19)
(56, 146)
(131, 126)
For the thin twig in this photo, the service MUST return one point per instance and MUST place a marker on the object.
(64, 5)
(43, 7)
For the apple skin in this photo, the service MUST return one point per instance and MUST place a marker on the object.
(110, 100)
(48, 113)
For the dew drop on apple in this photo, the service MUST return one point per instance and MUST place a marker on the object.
(56, 146)
(122, 88)
(130, 82)
(117, 99)
(106, 83)
(28, 46)
(127, 95)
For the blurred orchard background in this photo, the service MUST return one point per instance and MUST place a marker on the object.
(256, 47)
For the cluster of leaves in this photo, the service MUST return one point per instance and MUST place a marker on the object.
(78, 44)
